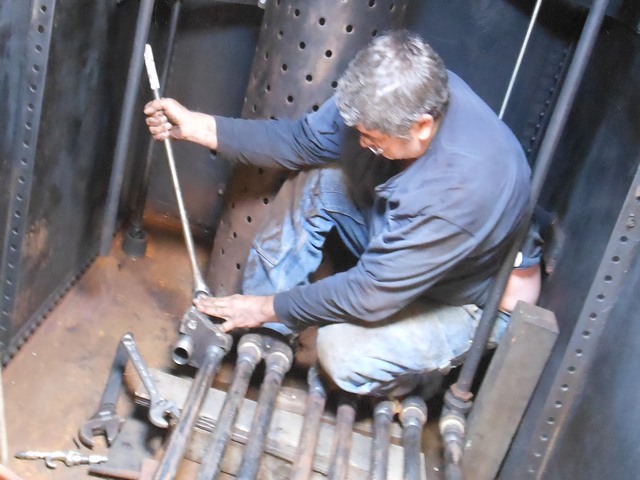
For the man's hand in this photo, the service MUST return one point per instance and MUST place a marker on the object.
(238, 311)
(167, 118)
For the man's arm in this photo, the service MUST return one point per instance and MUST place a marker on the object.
(167, 118)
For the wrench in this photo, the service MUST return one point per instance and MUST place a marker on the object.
(105, 421)
(159, 408)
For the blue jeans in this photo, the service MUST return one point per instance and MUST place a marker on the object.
(420, 342)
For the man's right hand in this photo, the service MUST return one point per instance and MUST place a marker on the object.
(168, 119)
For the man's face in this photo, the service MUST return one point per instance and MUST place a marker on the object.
(408, 147)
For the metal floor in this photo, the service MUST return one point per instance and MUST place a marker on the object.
(54, 383)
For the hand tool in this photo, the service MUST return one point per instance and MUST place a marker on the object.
(200, 288)
(159, 408)
(207, 359)
(105, 421)
(69, 457)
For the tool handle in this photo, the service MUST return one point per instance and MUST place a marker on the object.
(150, 64)
(130, 344)
(200, 288)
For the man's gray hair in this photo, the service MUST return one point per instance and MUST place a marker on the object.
(391, 83)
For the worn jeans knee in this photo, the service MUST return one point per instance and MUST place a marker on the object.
(287, 249)
(423, 339)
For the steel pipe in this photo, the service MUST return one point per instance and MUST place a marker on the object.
(413, 416)
(383, 414)
(458, 398)
(314, 408)
(178, 440)
(250, 352)
(277, 361)
(145, 12)
(134, 242)
(341, 449)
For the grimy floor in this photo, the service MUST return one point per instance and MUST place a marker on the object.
(54, 383)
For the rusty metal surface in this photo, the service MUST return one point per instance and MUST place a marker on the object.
(54, 383)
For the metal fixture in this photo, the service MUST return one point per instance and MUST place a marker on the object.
(250, 351)
(277, 361)
(202, 345)
(143, 23)
(303, 461)
(383, 414)
(134, 240)
(345, 417)
(413, 416)
(458, 398)
(69, 457)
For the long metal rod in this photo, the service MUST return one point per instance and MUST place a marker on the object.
(178, 440)
(314, 408)
(249, 354)
(413, 417)
(523, 49)
(137, 217)
(383, 414)
(199, 285)
(457, 398)
(342, 437)
(277, 365)
(543, 162)
(145, 12)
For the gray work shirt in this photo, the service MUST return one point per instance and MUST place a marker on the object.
(439, 228)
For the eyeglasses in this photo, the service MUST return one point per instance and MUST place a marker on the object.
(377, 151)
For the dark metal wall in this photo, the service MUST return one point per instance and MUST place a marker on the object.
(590, 289)
(63, 70)
(61, 91)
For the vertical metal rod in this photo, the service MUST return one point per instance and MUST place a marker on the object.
(277, 364)
(457, 399)
(178, 440)
(314, 408)
(249, 354)
(547, 150)
(4, 446)
(137, 217)
(199, 285)
(523, 49)
(345, 417)
(413, 417)
(382, 417)
(145, 12)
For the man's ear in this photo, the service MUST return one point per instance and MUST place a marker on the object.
(424, 127)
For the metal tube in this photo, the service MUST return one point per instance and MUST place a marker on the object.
(382, 417)
(136, 230)
(413, 417)
(277, 363)
(543, 162)
(457, 400)
(178, 440)
(145, 12)
(345, 417)
(199, 285)
(314, 408)
(516, 69)
(249, 354)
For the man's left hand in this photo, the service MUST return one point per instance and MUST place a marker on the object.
(238, 311)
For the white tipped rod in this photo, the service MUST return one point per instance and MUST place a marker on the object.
(151, 68)
(199, 285)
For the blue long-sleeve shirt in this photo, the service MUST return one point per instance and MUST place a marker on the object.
(438, 228)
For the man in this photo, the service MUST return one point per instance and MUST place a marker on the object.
(422, 182)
